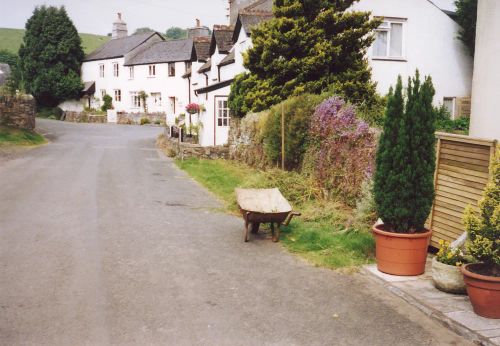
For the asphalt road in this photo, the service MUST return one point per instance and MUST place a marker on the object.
(103, 241)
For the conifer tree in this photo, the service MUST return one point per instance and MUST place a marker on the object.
(310, 46)
(50, 56)
(403, 182)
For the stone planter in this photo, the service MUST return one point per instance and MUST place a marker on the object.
(447, 278)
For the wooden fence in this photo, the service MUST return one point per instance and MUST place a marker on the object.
(462, 171)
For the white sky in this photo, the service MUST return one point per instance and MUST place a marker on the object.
(96, 16)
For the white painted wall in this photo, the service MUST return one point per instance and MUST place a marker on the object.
(430, 44)
(211, 134)
(73, 105)
(485, 114)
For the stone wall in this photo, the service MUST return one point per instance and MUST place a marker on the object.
(173, 148)
(135, 118)
(18, 111)
(83, 117)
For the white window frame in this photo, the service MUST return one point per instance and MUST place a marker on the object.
(386, 27)
(101, 70)
(453, 105)
(152, 70)
(116, 70)
(131, 72)
(103, 93)
(222, 113)
(118, 95)
(135, 100)
(156, 97)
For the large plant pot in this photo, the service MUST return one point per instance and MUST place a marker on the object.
(402, 254)
(447, 278)
(484, 291)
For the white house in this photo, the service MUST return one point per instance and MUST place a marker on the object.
(420, 34)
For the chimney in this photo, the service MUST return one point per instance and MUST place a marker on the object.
(197, 23)
(119, 28)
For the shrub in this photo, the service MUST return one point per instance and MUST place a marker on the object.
(107, 103)
(145, 121)
(50, 112)
(341, 149)
(446, 124)
(373, 113)
(449, 255)
(298, 111)
(484, 229)
(404, 177)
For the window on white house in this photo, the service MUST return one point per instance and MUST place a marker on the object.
(115, 69)
(152, 70)
(449, 104)
(172, 104)
(103, 93)
(118, 95)
(389, 40)
(188, 66)
(135, 100)
(222, 112)
(156, 97)
(131, 72)
(171, 69)
(101, 70)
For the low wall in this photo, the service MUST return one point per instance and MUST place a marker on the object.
(83, 117)
(18, 111)
(135, 118)
(173, 148)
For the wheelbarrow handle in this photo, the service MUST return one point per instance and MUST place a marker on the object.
(289, 217)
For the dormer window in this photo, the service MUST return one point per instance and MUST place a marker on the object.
(115, 69)
(152, 70)
(101, 70)
(171, 69)
(389, 41)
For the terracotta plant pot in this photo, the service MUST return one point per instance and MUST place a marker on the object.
(402, 254)
(484, 291)
(447, 278)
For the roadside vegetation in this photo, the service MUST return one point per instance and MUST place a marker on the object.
(15, 136)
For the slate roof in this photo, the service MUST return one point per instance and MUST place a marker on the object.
(205, 67)
(4, 73)
(222, 37)
(247, 20)
(118, 47)
(215, 86)
(260, 5)
(228, 59)
(162, 52)
(202, 48)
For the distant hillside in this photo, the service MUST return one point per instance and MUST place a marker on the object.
(11, 39)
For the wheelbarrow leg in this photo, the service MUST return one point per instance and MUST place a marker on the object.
(255, 227)
(276, 236)
(272, 229)
(248, 229)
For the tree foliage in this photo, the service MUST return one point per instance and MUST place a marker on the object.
(403, 182)
(50, 56)
(107, 103)
(175, 33)
(310, 46)
(142, 30)
(466, 17)
(484, 229)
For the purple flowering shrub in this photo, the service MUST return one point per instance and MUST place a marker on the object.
(341, 153)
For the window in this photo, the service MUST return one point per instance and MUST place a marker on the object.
(115, 69)
(449, 104)
(135, 100)
(156, 97)
(118, 95)
(152, 70)
(389, 40)
(188, 66)
(171, 69)
(172, 104)
(103, 93)
(101, 70)
(222, 113)
(131, 72)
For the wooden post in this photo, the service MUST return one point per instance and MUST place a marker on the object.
(282, 136)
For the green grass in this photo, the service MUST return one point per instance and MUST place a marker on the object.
(13, 136)
(323, 234)
(11, 39)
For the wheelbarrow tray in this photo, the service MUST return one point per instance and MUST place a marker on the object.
(263, 205)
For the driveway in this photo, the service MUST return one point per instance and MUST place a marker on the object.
(104, 241)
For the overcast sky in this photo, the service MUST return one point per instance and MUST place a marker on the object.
(96, 16)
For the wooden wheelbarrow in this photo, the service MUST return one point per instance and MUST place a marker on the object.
(264, 206)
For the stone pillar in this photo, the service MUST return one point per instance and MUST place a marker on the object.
(485, 113)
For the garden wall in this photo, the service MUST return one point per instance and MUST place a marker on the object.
(18, 111)
(83, 117)
(173, 147)
(135, 118)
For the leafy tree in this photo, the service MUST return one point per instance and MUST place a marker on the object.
(310, 46)
(143, 30)
(403, 182)
(9, 58)
(466, 18)
(14, 81)
(174, 33)
(50, 56)
(107, 103)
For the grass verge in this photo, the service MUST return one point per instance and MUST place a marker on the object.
(325, 234)
(14, 136)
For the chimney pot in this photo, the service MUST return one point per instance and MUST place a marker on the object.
(119, 15)
(197, 23)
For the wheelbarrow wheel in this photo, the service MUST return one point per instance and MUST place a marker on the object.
(248, 230)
